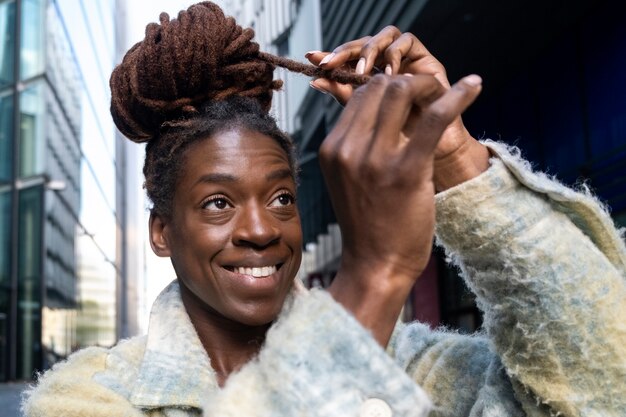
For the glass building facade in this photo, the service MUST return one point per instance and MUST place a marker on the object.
(60, 221)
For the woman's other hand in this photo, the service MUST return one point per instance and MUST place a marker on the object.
(378, 164)
(458, 157)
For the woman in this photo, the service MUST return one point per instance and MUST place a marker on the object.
(235, 335)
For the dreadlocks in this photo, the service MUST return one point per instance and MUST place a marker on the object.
(190, 78)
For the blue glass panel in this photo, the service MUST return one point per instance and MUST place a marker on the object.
(32, 38)
(29, 281)
(6, 137)
(32, 108)
(7, 42)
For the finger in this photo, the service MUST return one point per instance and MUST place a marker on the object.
(340, 92)
(315, 57)
(406, 47)
(436, 117)
(349, 51)
(401, 98)
(349, 139)
(373, 50)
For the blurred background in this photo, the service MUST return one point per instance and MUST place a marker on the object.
(75, 268)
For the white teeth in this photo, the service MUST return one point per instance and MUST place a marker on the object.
(256, 272)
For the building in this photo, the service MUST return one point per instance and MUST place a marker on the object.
(64, 222)
(554, 85)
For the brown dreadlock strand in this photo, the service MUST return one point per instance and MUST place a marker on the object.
(190, 78)
(202, 55)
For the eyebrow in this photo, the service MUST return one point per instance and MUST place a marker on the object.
(222, 178)
(279, 174)
(217, 177)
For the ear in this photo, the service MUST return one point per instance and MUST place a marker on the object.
(159, 235)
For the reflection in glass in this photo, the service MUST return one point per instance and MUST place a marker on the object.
(32, 108)
(32, 38)
(29, 281)
(6, 137)
(7, 42)
(5, 248)
(58, 334)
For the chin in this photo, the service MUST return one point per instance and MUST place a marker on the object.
(259, 316)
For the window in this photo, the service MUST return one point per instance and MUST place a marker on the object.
(5, 288)
(7, 42)
(6, 137)
(32, 109)
(29, 281)
(32, 39)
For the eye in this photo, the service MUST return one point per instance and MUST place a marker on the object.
(216, 203)
(283, 199)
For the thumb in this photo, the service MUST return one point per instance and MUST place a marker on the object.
(340, 92)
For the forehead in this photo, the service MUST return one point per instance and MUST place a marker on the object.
(234, 151)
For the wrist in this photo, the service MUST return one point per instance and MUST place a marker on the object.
(374, 296)
(469, 161)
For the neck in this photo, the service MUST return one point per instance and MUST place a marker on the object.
(229, 344)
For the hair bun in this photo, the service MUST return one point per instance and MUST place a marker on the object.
(202, 55)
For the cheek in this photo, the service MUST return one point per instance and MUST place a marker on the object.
(200, 242)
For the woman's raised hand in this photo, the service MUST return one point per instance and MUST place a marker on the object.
(378, 163)
(458, 156)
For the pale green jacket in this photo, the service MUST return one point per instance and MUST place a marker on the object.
(547, 267)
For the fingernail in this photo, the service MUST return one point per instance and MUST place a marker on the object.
(321, 90)
(408, 74)
(327, 58)
(311, 53)
(388, 70)
(473, 80)
(360, 66)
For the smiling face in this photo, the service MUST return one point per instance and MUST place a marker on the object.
(234, 235)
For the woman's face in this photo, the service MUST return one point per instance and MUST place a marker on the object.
(234, 235)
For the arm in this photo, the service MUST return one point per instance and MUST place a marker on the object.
(555, 319)
(547, 269)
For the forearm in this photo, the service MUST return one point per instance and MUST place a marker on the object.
(553, 301)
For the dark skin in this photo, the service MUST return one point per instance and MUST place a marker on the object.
(234, 239)
(230, 209)
(458, 156)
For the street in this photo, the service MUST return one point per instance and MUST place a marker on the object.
(10, 398)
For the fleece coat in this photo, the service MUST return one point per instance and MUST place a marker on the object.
(548, 269)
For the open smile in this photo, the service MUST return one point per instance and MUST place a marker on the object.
(255, 271)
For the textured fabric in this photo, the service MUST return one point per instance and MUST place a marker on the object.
(548, 270)
(316, 361)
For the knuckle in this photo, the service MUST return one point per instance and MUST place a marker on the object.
(378, 81)
(327, 151)
(392, 30)
(344, 158)
(358, 94)
(398, 87)
(392, 54)
(370, 47)
(408, 35)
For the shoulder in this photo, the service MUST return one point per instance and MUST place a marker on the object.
(70, 389)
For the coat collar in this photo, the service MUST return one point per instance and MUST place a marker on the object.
(175, 370)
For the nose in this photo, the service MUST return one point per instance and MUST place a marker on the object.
(255, 227)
